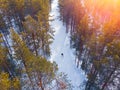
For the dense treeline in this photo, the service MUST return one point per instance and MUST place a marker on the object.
(95, 31)
(25, 37)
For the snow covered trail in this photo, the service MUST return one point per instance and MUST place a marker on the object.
(66, 63)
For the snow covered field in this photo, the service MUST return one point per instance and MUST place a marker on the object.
(66, 63)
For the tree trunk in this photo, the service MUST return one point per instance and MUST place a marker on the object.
(35, 48)
(107, 79)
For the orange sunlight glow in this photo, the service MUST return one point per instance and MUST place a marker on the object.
(103, 9)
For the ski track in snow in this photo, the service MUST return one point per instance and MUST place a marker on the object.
(60, 45)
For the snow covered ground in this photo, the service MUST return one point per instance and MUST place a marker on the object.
(66, 63)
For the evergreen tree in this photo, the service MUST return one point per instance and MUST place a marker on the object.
(7, 84)
(36, 67)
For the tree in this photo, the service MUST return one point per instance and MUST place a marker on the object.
(7, 84)
(92, 29)
(4, 81)
(36, 67)
(37, 35)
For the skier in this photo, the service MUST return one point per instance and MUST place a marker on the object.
(61, 54)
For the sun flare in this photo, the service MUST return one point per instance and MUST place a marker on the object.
(103, 8)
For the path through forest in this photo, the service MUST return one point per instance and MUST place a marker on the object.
(66, 63)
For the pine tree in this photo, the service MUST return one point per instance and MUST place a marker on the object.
(37, 35)
(4, 81)
(7, 84)
(37, 67)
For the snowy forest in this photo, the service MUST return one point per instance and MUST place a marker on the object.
(59, 45)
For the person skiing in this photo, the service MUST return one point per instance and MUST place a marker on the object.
(61, 54)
